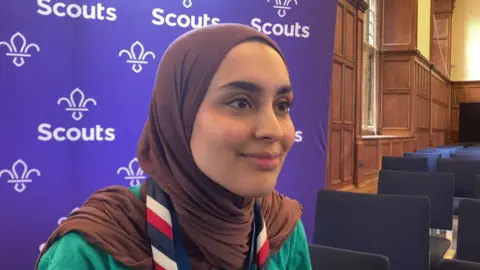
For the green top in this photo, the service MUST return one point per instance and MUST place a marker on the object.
(72, 251)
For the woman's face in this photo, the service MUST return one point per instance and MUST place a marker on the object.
(243, 131)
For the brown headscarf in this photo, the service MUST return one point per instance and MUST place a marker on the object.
(216, 224)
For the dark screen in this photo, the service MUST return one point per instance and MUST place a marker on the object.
(469, 122)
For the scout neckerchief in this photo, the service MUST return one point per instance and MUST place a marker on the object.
(161, 232)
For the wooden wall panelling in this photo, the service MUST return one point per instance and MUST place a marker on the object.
(440, 108)
(415, 99)
(423, 98)
(369, 160)
(340, 159)
(459, 95)
(399, 24)
(443, 5)
(441, 38)
(359, 80)
(448, 139)
(359, 74)
(423, 113)
(395, 95)
(371, 151)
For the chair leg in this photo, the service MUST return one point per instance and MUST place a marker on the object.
(454, 232)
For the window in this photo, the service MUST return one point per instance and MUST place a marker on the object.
(370, 69)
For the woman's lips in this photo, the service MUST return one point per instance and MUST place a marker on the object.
(263, 160)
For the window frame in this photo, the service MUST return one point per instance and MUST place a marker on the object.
(370, 66)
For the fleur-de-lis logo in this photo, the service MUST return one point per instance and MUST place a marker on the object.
(20, 175)
(137, 56)
(283, 6)
(19, 48)
(187, 3)
(77, 103)
(133, 172)
(60, 220)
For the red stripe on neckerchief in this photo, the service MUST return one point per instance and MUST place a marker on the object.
(262, 245)
(159, 227)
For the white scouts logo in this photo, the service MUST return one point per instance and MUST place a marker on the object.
(283, 6)
(187, 3)
(77, 103)
(76, 11)
(137, 56)
(162, 17)
(296, 30)
(20, 175)
(133, 172)
(19, 49)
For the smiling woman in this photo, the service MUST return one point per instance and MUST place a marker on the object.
(215, 141)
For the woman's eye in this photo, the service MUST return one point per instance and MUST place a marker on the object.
(284, 106)
(240, 104)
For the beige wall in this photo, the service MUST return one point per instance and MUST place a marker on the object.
(423, 27)
(466, 41)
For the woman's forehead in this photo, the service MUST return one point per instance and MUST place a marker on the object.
(252, 61)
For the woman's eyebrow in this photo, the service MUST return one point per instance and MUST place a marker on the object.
(253, 87)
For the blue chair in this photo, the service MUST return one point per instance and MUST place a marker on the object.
(467, 157)
(432, 158)
(419, 164)
(464, 171)
(458, 265)
(468, 240)
(444, 152)
(394, 226)
(467, 154)
(324, 258)
(438, 187)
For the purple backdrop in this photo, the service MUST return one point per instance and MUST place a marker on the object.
(75, 83)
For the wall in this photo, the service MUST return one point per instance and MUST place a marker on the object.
(420, 105)
(413, 96)
(466, 41)
(418, 101)
(345, 88)
(423, 29)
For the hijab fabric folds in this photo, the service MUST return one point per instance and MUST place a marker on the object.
(215, 223)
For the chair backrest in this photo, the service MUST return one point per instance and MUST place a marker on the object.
(395, 226)
(432, 158)
(464, 171)
(471, 157)
(324, 258)
(450, 146)
(438, 187)
(405, 164)
(444, 152)
(446, 264)
(468, 241)
(466, 152)
(476, 187)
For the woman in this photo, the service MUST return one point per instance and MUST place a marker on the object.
(216, 137)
